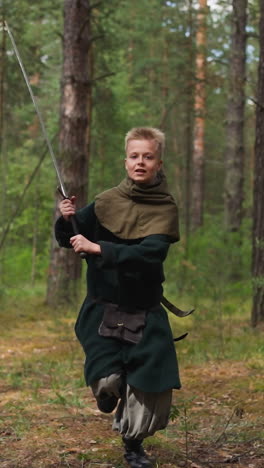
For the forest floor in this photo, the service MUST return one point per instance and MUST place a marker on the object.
(48, 418)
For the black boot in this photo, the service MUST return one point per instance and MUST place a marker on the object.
(106, 403)
(135, 455)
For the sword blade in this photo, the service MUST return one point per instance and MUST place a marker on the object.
(6, 27)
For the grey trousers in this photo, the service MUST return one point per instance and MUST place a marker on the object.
(139, 414)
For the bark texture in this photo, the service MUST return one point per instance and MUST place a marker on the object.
(258, 206)
(234, 161)
(189, 125)
(3, 170)
(65, 265)
(199, 119)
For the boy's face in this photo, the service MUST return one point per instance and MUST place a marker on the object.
(142, 161)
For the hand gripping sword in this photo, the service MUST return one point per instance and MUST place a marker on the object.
(61, 187)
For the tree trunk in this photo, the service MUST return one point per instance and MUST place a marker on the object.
(2, 78)
(2, 150)
(257, 315)
(3, 162)
(234, 162)
(36, 201)
(65, 265)
(199, 119)
(189, 126)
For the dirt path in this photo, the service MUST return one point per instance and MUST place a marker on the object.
(48, 418)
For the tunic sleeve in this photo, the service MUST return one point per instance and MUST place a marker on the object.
(150, 252)
(63, 232)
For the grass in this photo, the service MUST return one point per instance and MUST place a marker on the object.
(48, 418)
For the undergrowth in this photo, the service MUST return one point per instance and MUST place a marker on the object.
(49, 418)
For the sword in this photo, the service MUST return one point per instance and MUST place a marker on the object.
(61, 187)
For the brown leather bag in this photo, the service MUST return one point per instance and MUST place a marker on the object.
(123, 323)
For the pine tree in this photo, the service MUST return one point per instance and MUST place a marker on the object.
(257, 315)
(234, 158)
(65, 265)
(198, 158)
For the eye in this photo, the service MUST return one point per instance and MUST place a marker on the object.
(149, 156)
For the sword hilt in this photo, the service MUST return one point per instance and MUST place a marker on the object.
(72, 219)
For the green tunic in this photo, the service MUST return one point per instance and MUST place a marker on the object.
(128, 272)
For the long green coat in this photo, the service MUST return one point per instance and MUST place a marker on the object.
(126, 273)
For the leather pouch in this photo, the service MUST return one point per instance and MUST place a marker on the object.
(123, 323)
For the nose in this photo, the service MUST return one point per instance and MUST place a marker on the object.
(141, 160)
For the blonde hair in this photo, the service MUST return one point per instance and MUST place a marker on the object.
(147, 133)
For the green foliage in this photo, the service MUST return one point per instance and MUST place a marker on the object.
(214, 264)
(143, 74)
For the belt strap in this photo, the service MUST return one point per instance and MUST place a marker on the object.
(175, 310)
